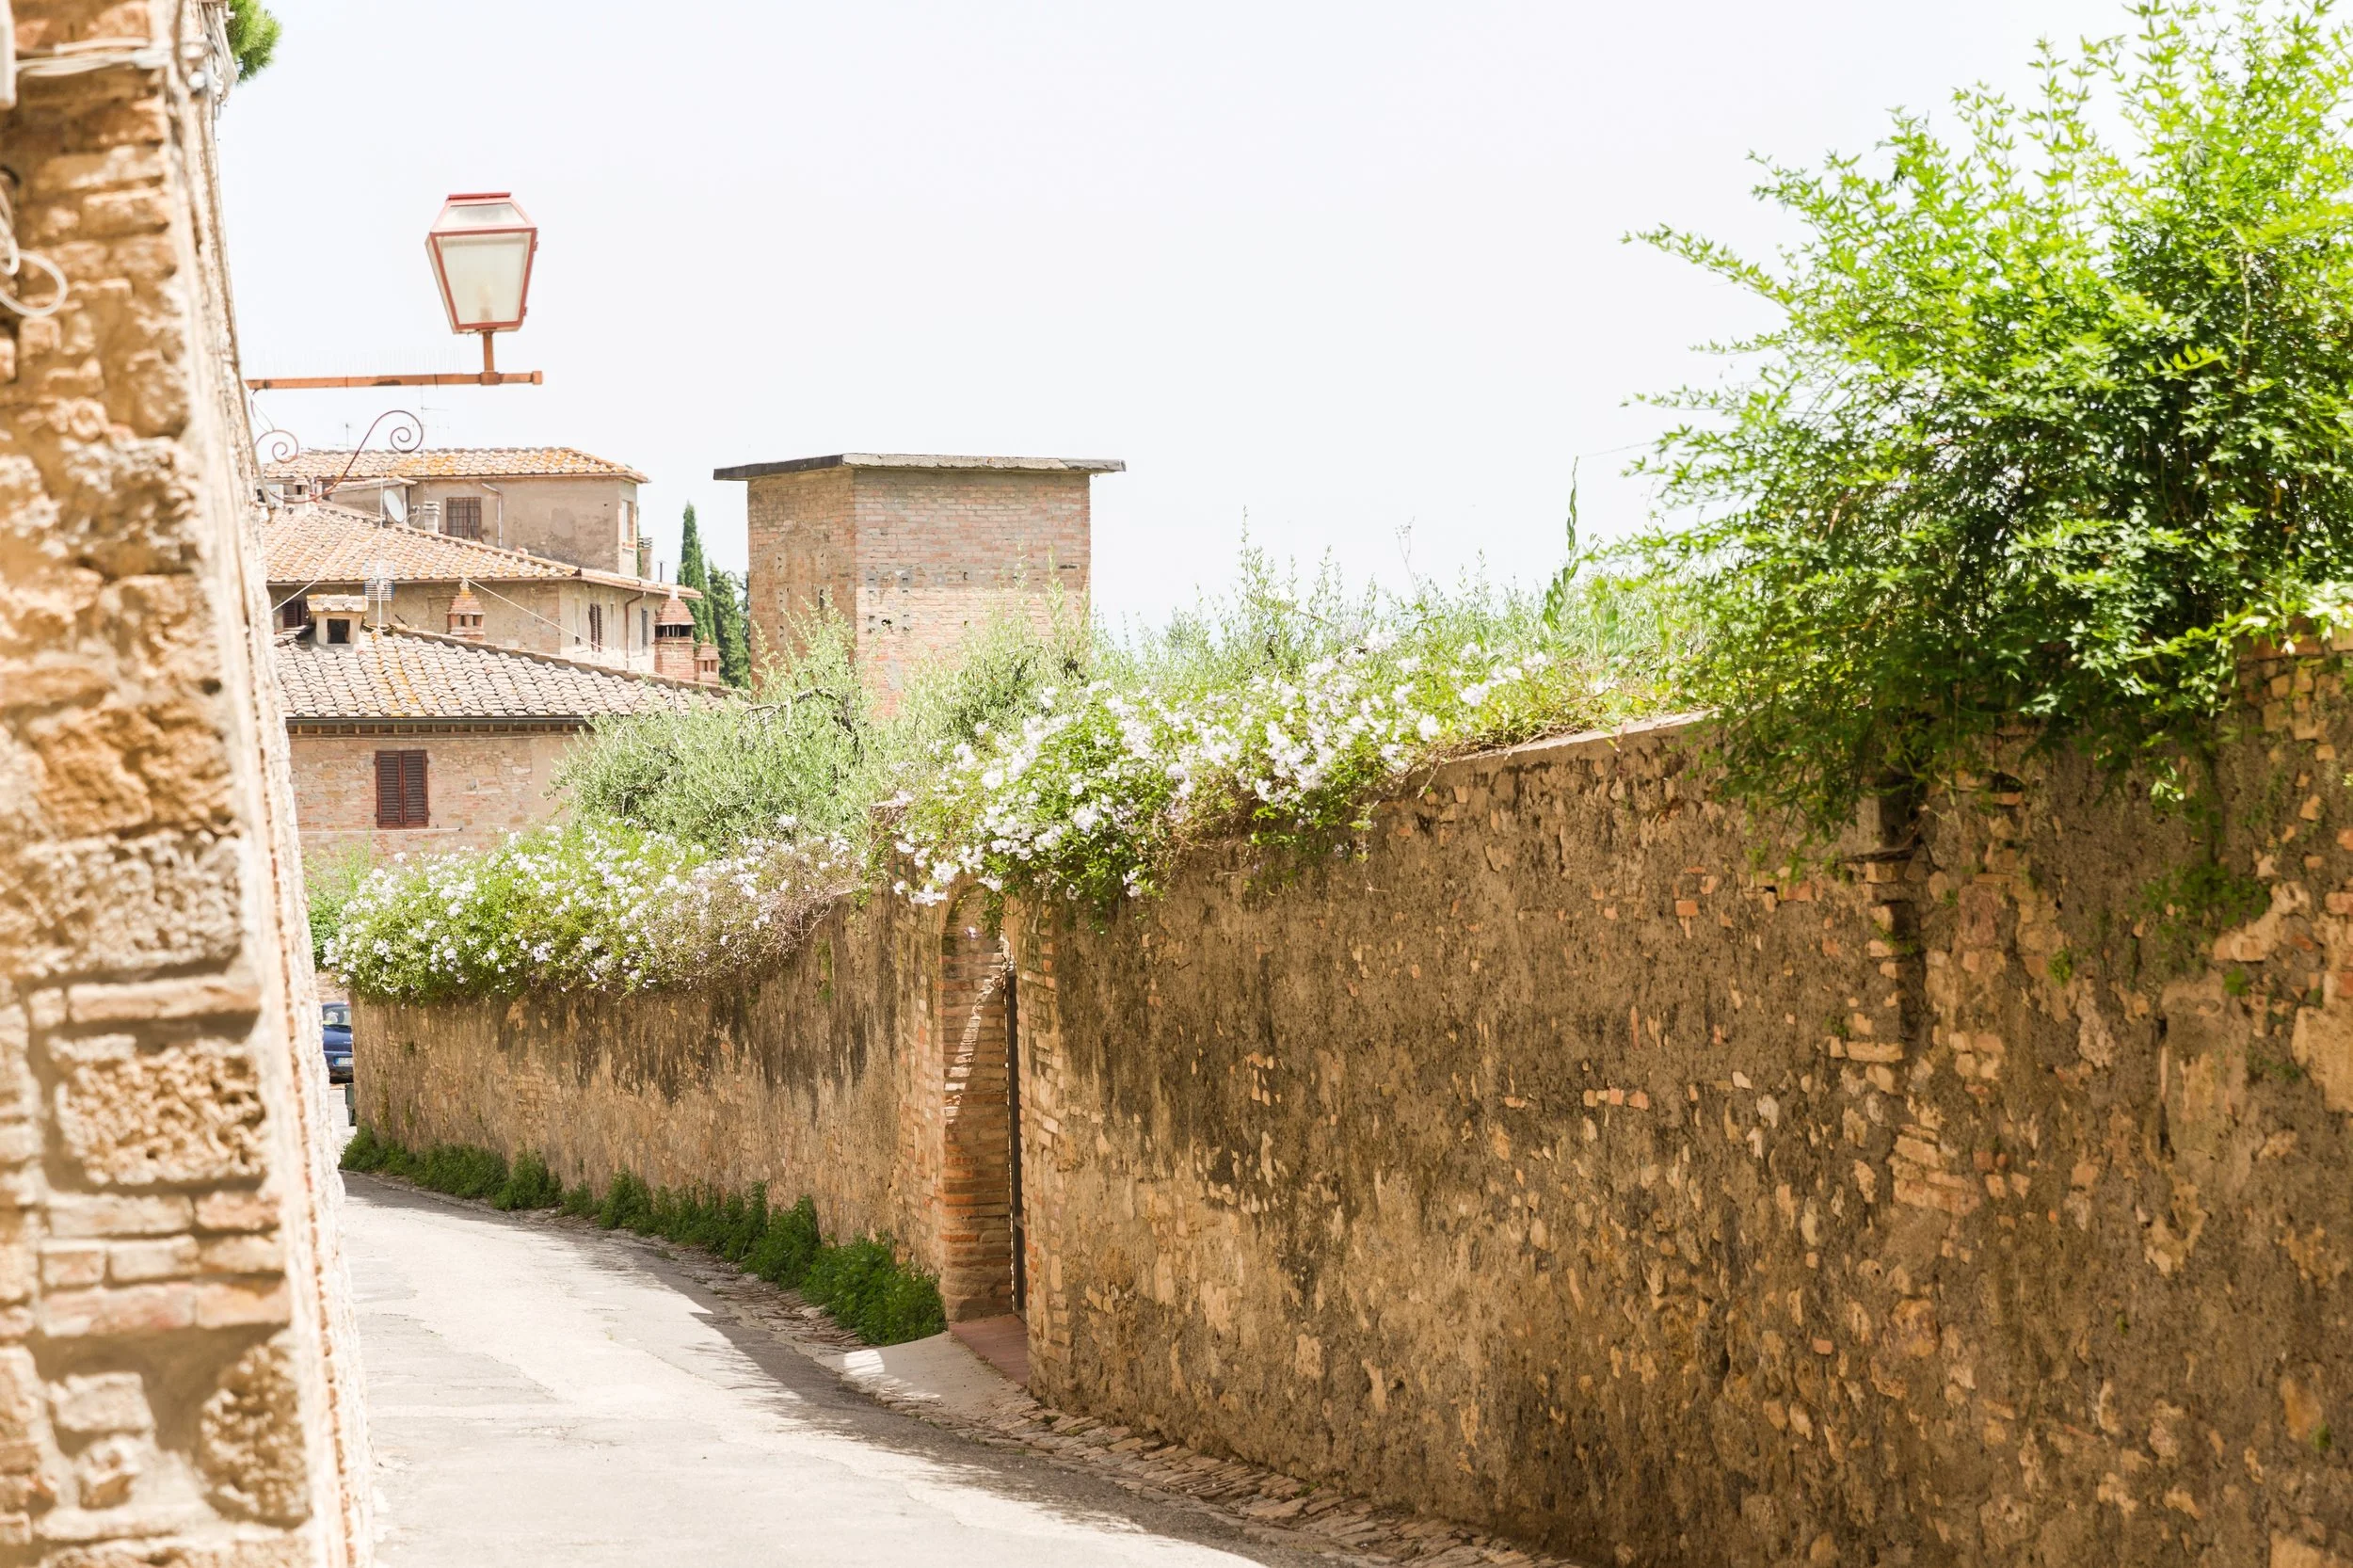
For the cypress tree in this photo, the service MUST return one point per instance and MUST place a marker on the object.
(694, 573)
(730, 615)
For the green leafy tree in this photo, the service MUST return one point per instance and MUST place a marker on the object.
(730, 620)
(253, 36)
(694, 572)
(2054, 416)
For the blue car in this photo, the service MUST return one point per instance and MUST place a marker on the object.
(335, 1027)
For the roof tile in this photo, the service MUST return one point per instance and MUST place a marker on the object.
(453, 462)
(399, 673)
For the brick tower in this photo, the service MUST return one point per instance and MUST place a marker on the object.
(913, 551)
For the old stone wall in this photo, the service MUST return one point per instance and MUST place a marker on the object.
(177, 1375)
(858, 1071)
(1973, 1203)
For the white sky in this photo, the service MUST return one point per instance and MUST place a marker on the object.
(1347, 268)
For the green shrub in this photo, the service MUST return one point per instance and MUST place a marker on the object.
(628, 1205)
(2053, 418)
(365, 1152)
(582, 1201)
(460, 1170)
(868, 1292)
(529, 1185)
(786, 1247)
(745, 1224)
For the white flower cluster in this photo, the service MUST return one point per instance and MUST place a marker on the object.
(1096, 790)
(588, 906)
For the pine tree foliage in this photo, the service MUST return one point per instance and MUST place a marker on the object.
(253, 34)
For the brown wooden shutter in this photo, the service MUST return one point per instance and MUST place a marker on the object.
(387, 788)
(400, 790)
(412, 797)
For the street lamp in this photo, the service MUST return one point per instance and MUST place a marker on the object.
(481, 247)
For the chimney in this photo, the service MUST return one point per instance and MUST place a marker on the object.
(707, 663)
(674, 639)
(465, 615)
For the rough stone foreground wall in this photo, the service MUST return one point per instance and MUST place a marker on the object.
(177, 1381)
(1550, 1169)
(831, 1075)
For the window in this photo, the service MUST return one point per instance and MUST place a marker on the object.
(596, 626)
(294, 615)
(461, 517)
(400, 797)
(645, 628)
(338, 630)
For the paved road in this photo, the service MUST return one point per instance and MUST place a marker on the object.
(541, 1396)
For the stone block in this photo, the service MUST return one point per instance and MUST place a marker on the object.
(243, 1254)
(85, 1406)
(236, 1212)
(185, 1113)
(135, 1262)
(226, 1304)
(66, 1265)
(107, 1214)
(235, 995)
(104, 906)
(249, 1445)
(131, 1310)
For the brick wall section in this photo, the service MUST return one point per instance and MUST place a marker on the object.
(976, 1130)
(482, 784)
(914, 558)
(802, 536)
(176, 1374)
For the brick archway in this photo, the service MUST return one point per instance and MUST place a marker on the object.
(978, 1183)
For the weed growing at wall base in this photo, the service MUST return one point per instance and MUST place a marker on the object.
(459, 1169)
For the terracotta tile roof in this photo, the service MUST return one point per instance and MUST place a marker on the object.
(324, 543)
(454, 462)
(399, 673)
(327, 544)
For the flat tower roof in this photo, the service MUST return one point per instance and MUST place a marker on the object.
(924, 460)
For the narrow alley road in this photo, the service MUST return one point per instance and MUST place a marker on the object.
(542, 1397)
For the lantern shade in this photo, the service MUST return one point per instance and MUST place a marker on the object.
(481, 249)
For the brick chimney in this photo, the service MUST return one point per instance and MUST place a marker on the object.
(465, 615)
(674, 639)
(707, 663)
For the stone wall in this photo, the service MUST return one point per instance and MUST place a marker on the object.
(177, 1375)
(1551, 1168)
(859, 1071)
